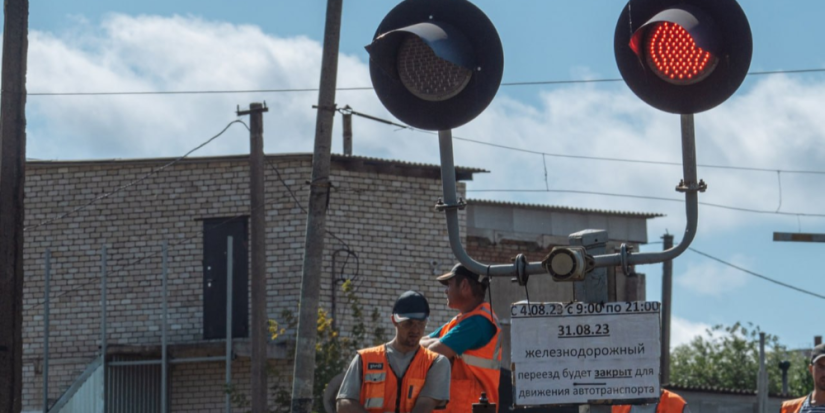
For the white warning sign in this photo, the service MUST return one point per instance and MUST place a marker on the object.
(579, 353)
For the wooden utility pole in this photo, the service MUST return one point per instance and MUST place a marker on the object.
(257, 202)
(667, 299)
(319, 188)
(12, 179)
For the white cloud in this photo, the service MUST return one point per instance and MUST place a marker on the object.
(713, 279)
(683, 331)
(150, 53)
(772, 123)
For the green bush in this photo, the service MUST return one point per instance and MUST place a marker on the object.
(729, 358)
(333, 353)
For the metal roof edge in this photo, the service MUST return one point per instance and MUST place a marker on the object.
(558, 208)
(237, 158)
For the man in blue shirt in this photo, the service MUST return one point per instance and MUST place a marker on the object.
(470, 340)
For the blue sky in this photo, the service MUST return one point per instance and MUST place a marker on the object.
(773, 122)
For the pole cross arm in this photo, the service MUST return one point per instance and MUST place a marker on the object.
(252, 109)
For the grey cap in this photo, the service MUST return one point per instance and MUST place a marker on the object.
(458, 269)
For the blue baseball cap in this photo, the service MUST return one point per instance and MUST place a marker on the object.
(411, 305)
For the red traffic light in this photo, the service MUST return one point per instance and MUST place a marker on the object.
(683, 56)
(673, 55)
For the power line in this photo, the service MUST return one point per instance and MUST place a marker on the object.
(766, 278)
(360, 88)
(639, 161)
(593, 158)
(298, 204)
(191, 92)
(198, 233)
(133, 183)
(543, 154)
(654, 198)
(115, 272)
(564, 82)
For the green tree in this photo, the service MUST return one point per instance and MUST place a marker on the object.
(729, 358)
(333, 352)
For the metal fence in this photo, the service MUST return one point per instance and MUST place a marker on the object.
(128, 384)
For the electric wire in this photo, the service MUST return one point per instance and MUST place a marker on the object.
(117, 270)
(766, 278)
(543, 154)
(546, 180)
(362, 88)
(653, 198)
(298, 204)
(132, 183)
(594, 158)
(779, 182)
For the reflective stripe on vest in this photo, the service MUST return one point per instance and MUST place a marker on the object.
(375, 403)
(481, 362)
(793, 406)
(380, 388)
(375, 377)
(476, 370)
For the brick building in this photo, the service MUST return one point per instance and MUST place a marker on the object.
(383, 235)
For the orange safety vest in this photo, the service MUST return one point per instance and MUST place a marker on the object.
(793, 406)
(669, 402)
(476, 370)
(380, 389)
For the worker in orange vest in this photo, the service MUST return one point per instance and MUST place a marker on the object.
(814, 402)
(471, 341)
(400, 376)
(669, 402)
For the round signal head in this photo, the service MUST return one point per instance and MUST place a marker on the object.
(683, 56)
(436, 64)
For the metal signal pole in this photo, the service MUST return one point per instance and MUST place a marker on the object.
(320, 186)
(258, 282)
(12, 179)
(667, 300)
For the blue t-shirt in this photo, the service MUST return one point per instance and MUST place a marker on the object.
(470, 334)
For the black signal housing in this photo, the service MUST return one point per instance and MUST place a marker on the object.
(713, 60)
(436, 64)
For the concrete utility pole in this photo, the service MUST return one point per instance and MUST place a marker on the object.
(303, 374)
(347, 122)
(667, 299)
(257, 202)
(762, 379)
(12, 179)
